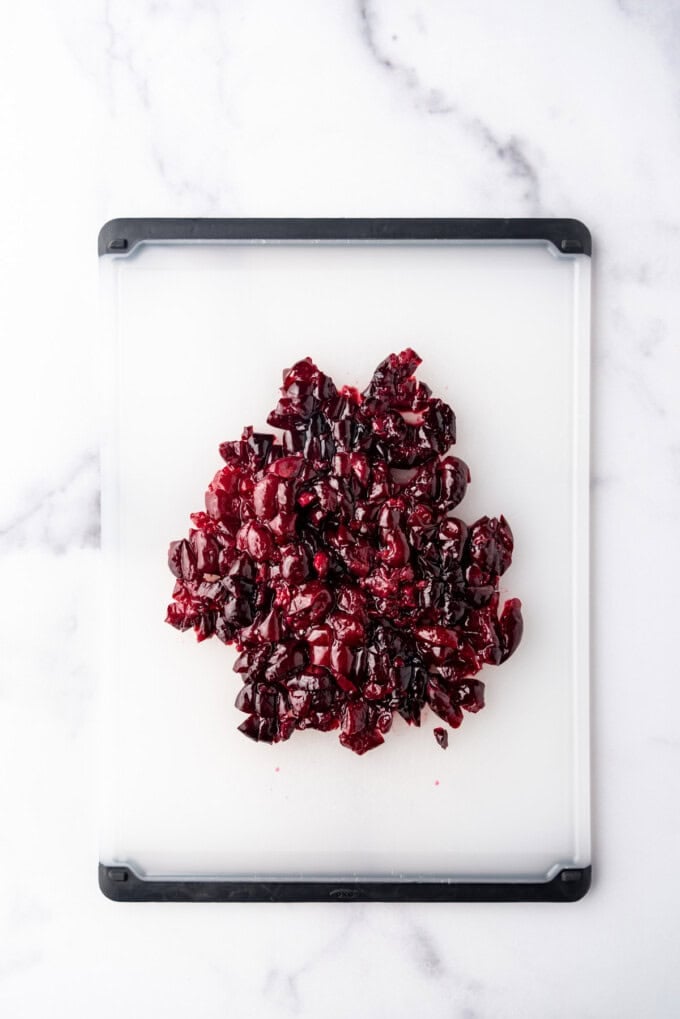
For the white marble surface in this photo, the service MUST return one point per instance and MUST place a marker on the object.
(408, 107)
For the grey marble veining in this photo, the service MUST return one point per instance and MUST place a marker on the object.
(61, 517)
(509, 151)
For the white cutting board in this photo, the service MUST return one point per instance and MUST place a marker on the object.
(199, 334)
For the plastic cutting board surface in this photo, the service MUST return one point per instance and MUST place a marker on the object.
(198, 335)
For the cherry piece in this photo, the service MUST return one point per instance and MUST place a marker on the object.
(442, 737)
(331, 557)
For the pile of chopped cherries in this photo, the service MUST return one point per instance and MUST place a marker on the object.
(333, 560)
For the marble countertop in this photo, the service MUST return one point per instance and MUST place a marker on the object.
(177, 108)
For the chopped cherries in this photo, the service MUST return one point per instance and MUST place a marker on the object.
(333, 559)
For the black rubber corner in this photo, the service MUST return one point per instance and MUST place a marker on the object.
(121, 884)
(121, 236)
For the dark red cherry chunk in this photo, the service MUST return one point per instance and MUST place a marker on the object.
(442, 737)
(333, 558)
